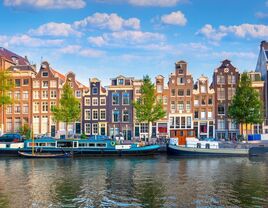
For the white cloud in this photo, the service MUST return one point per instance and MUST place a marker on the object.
(160, 3)
(112, 22)
(98, 40)
(54, 29)
(226, 54)
(174, 18)
(129, 36)
(26, 40)
(47, 4)
(261, 15)
(210, 33)
(78, 50)
(242, 31)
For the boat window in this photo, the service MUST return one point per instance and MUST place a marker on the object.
(68, 144)
(101, 144)
(82, 144)
(207, 146)
(51, 144)
(91, 144)
(198, 145)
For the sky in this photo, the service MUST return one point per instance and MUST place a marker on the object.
(107, 38)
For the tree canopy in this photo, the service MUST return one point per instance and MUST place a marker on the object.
(246, 106)
(68, 110)
(148, 108)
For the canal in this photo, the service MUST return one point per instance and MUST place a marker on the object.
(158, 181)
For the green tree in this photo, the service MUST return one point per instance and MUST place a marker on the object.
(6, 85)
(25, 130)
(246, 106)
(148, 108)
(68, 110)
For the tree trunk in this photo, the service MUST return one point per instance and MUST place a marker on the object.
(66, 130)
(149, 131)
(246, 131)
(242, 129)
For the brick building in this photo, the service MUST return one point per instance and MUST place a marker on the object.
(95, 109)
(203, 101)
(120, 114)
(225, 81)
(180, 103)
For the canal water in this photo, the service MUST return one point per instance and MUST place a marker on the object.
(158, 181)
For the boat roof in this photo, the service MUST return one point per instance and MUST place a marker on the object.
(67, 140)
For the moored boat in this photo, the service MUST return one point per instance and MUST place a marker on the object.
(44, 155)
(205, 148)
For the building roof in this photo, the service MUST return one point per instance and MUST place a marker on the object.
(23, 68)
(13, 57)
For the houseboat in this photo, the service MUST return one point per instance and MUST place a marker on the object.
(10, 149)
(194, 147)
(87, 147)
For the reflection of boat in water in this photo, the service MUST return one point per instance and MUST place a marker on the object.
(194, 147)
(44, 155)
(79, 147)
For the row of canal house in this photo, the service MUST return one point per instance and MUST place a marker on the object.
(197, 109)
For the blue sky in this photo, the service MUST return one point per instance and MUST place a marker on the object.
(106, 38)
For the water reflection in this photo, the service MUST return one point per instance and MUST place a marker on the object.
(134, 182)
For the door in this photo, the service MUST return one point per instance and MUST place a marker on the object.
(78, 128)
(102, 131)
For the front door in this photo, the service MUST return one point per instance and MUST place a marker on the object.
(102, 131)
(53, 131)
(78, 128)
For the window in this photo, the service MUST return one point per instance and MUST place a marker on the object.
(16, 108)
(44, 94)
(210, 102)
(52, 104)
(125, 98)
(125, 116)
(87, 101)
(210, 114)
(181, 71)
(221, 109)
(87, 128)
(17, 124)
(221, 93)
(203, 89)
(144, 128)
(180, 106)
(159, 88)
(35, 94)
(102, 101)
(180, 92)
(53, 83)
(196, 114)
(17, 95)
(78, 93)
(221, 124)
(188, 106)
(115, 115)
(44, 106)
(95, 114)
(231, 79)
(9, 93)
(115, 98)
(45, 84)
(203, 100)
(203, 114)
(36, 84)
(53, 94)
(189, 122)
(165, 100)
(36, 107)
(127, 82)
(87, 114)
(220, 79)
(196, 100)
(182, 122)
(25, 95)
(95, 129)
(172, 92)
(232, 125)
(94, 101)
(171, 122)
(17, 82)
(25, 108)
(102, 114)
(173, 105)
(231, 93)
(25, 81)
(177, 122)
(121, 82)
(44, 74)
(9, 124)
(180, 80)
(9, 109)
(188, 92)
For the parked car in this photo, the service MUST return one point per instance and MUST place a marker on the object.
(11, 137)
